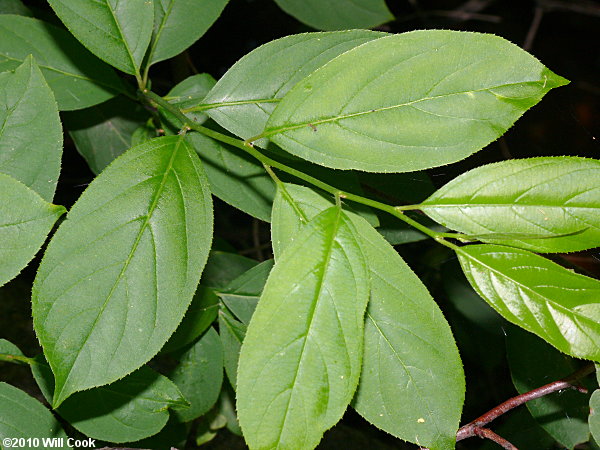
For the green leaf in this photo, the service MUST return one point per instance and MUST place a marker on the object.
(103, 132)
(533, 364)
(15, 7)
(199, 375)
(199, 316)
(224, 267)
(414, 100)
(411, 367)
(232, 333)
(8, 348)
(121, 271)
(117, 32)
(242, 294)
(180, 23)
(128, 410)
(235, 177)
(25, 417)
(300, 361)
(553, 198)
(77, 77)
(30, 130)
(189, 92)
(25, 222)
(594, 419)
(338, 14)
(246, 95)
(538, 295)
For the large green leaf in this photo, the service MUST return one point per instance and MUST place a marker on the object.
(103, 132)
(410, 101)
(199, 375)
(300, 361)
(30, 130)
(77, 78)
(338, 14)
(235, 177)
(179, 23)
(558, 305)
(118, 32)
(411, 367)
(553, 201)
(533, 363)
(21, 416)
(128, 410)
(121, 271)
(246, 95)
(25, 221)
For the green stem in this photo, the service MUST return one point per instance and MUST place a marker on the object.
(207, 106)
(396, 211)
(15, 359)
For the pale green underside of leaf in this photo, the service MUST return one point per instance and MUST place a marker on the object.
(128, 410)
(21, 416)
(555, 198)
(411, 366)
(300, 361)
(410, 101)
(235, 177)
(103, 132)
(247, 94)
(199, 375)
(77, 78)
(558, 305)
(338, 14)
(180, 23)
(121, 271)
(116, 31)
(25, 221)
(30, 130)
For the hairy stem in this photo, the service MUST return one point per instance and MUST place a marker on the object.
(396, 211)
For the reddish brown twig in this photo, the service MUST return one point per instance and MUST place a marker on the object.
(476, 427)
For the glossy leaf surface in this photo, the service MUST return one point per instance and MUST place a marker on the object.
(103, 132)
(128, 410)
(25, 221)
(300, 361)
(179, 23)
(247, 94)
(558, 305)
(30, 129)
(409, 101)
(533, 364)
(235, 177)
(77, 77)
(199, 374)
(118, 32)
(411, 367)
(338, 14)
(25, 417)
(121, 271)
(555, 198)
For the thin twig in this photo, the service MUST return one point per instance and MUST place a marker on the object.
(486, 433)
(474, 428)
